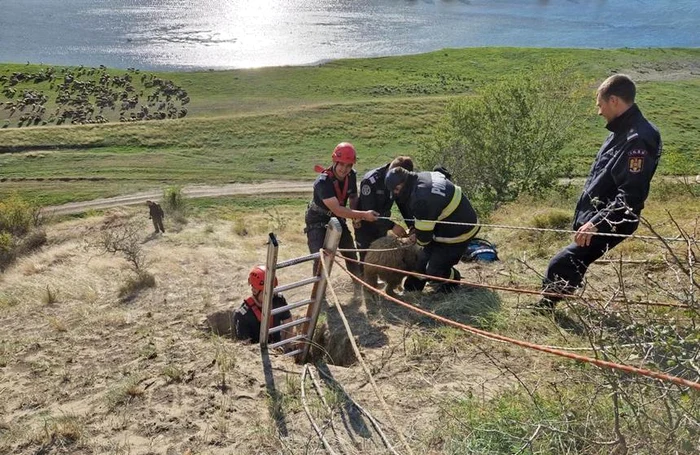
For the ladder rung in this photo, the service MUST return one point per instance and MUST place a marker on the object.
(289, 354)
(291, 306)
(279, 328)
(299, 260)
(297, 284)
(287, 341)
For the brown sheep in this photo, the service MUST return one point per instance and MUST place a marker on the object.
(403, 256)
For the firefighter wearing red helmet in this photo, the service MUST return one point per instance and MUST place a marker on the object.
(246, 320)
(333, 189)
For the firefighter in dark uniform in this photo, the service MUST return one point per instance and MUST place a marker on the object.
(375, 196)
(432, 198)
(615, 190)
(246, 320)
(333, 188)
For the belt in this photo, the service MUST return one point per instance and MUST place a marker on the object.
(312, 226)
(317, 208)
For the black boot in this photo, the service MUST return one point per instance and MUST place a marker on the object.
(446, 288)
(412, 283)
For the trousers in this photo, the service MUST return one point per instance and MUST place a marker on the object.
(568, 267)
(437, 259)
(315, 237)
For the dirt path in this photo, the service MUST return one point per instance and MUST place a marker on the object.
(233, 189)
(191, 191)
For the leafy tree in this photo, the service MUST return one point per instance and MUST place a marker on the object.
(507, 140)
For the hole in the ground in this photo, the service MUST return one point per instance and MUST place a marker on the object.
(331, 345)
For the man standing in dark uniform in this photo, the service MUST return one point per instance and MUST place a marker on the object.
(615, 190)
(375, 196)
(432, 198)
(332, 190)
(246, 320)
(155, 214)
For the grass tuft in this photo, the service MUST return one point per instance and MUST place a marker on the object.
(50, 296)
(135, 284)
(124, 393)
(63, 431)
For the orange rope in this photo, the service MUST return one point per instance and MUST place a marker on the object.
(511, 289)
(525, 344)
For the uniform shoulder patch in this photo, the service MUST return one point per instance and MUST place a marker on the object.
(632, 134)
(323, 176)
(636, 163)
(366, 190)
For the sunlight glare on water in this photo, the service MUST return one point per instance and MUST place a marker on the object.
(182, 34)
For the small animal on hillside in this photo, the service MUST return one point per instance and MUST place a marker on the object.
(403, 255)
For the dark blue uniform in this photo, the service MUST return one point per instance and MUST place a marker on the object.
(375, 196)
(318, 215)
(247, 318)
(613, 196)
(431, 197)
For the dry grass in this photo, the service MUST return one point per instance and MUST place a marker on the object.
(146, 375)
(135, 284)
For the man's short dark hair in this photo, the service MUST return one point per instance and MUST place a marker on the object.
(619, 85)
(402, 161)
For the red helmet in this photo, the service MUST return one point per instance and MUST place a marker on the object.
(256, 278)
(344, 153)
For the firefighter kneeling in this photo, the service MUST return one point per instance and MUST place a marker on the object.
(432, 198)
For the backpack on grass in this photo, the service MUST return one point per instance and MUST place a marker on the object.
(480, 250)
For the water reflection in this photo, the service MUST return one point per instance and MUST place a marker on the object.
(246, 33)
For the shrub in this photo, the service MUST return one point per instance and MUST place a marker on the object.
(173, 200)
(508, 140)
(124, 239)
(17, 215)
(134, 284)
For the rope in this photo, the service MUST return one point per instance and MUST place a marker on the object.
(518, 290)
(366, 413)
(602, 348)
(493, 336)
(327, 446)
(356, 349)
(527, 228)
(319, 391)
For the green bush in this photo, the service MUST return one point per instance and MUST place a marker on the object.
(173, 200)
(508, 140)
(7, 250)
(17, 215)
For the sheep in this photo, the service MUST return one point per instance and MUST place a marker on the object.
(403, 256)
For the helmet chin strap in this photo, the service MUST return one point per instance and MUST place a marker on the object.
(257, 296)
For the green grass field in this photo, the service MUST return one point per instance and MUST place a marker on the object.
(276, 123)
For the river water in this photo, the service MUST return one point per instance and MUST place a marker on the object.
(195, 34)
